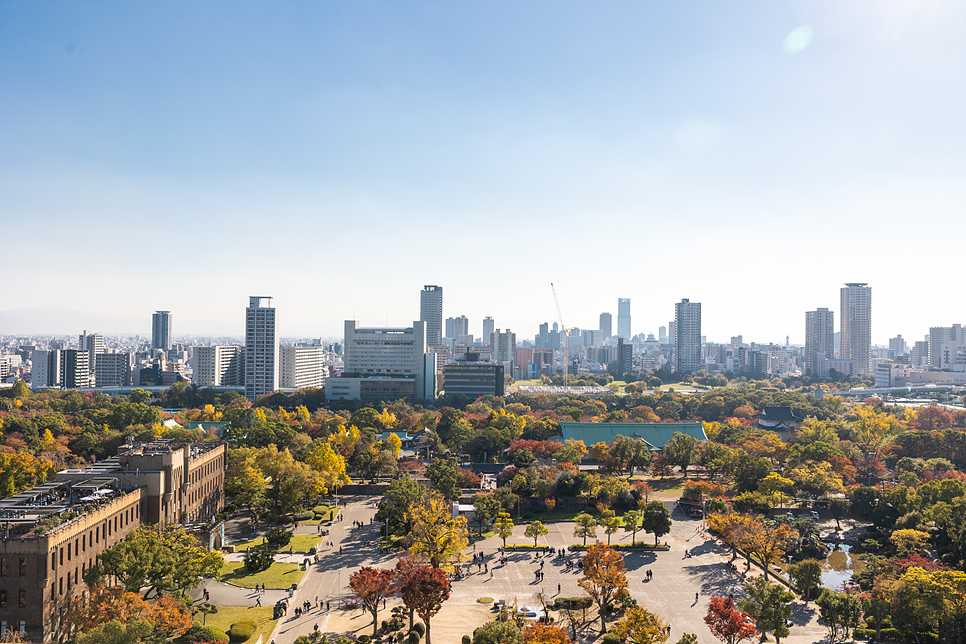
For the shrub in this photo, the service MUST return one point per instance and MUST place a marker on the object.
(305, 515)
(466, 640)
(420, 628)
(864, 633)
(612, 638)
(892, 634)
(363, 639)
(205, 634)
(413, 637)
(573, 603)
(278, 537)
(258, 558)
(241, 631)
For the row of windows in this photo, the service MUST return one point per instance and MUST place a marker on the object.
(3, 598)
(4, 570)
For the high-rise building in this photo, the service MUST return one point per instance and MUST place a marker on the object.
(488, 326)
(662, 334)
(819, 338)
(93, 344)
(687, 324)
(940, 335)
(461, 327)
(261, 347)
(431, 313)
(503, 346)
(672, 332)
(45, 369)
(625, 358)
(218, 366)
(75, 369)
(897, 345)
(161, 330)
(919, 357)
(384, 364)
(606, 325)
(113, 370)
(624, 318)
(856, 325)
(300, 367)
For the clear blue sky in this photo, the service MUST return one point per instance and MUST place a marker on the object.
(752, 156)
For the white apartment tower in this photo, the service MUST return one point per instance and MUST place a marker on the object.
(45, 369)
(431, 313)
(503, 346)
(93, 344)
(819, 338)
(261, 348)
(624, 318)
(113, 370)
(687, 325)
(218, 366)
(856, 330)
(300, 367)
(488, 326)
(161, 330)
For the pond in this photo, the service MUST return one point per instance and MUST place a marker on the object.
(838, 567)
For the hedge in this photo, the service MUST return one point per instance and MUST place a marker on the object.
(623, 546)
(524, 546)
(572, 603)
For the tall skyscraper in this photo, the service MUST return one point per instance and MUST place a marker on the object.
(503, 346)
(897, 345)
(261, 347)
(75, 370)
(819, 338)
(856, 329)
(488, 326)
(606, 325)
(624, 318)
(431, 312)
(161, 330)
(687, 325)
(93, 344)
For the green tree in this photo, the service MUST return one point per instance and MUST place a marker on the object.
(632, 519)
(504, 526)
(611, 523)
(586, 526)
(442, 473)
(807, 576)
(486, 507)
(769, 605)
(133, 631)
(681, 450)
(656, 518)
(157, 560)
(536, 530)
(497, 632)
(402, 494)
(838, 609)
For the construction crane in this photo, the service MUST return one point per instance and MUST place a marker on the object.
(565, 335)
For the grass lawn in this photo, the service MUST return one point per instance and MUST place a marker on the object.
(228, 615)
(278, 576)
(299, 543)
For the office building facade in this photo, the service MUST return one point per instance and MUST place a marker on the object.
(113, 370)
(503, 346)
(75, 369)
(941, 335)
(856, 325)
(261, 348)
(161, 330)
(687, 329)
(431, 314)
(473, 378)
(488, 326)
(819, 337)
(384, 363)
(606, 325)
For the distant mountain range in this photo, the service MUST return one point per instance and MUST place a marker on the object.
(59, 320)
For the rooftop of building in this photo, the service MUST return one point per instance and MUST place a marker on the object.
(656, 435)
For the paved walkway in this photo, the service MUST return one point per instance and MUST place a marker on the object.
(670, 593)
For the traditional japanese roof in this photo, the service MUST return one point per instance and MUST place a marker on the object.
(778, 415)
(656, 435)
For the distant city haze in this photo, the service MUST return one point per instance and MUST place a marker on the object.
(753, 157)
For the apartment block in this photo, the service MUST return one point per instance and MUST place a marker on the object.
(300, 367)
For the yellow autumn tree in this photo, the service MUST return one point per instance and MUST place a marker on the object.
(436, 536)
(395, 444)
(641, 626)
(345, 438)
(330, 465)
(386, 420)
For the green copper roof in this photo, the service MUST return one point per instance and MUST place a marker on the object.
(654, 434)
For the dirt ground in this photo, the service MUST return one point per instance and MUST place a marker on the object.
(449, 625)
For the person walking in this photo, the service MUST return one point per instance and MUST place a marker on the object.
(695, 598)
(558, 589)
(258, 600)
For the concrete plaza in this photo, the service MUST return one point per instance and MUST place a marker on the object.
(670, 593)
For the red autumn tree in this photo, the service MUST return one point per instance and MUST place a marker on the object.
(424, 590)
(605, 578)
(541, 633)
(729, 623)
(372, 586)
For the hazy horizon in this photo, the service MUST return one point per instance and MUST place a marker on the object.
(752, 156)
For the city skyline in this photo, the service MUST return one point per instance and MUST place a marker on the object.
(813, 131)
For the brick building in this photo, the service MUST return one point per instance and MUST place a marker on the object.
(53, 533)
